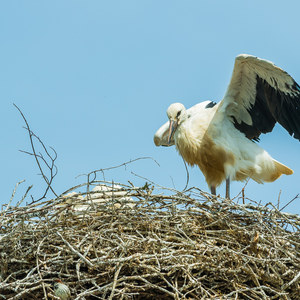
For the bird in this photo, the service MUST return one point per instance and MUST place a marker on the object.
(222, 138)
(61, 290)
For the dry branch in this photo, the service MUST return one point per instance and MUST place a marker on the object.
(44, 161)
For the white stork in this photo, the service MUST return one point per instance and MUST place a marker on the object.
(220, 138)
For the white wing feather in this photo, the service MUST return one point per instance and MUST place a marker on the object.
(241, 92)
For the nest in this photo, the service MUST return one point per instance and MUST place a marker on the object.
(124, 242)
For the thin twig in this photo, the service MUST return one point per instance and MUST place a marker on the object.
(37, 156)
(13, 194)
(115, 281)
(75, 251)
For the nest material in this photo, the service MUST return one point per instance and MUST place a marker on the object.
(183, 246)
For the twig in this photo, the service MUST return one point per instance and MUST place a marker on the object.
(13, 194)
(187, 176)
(296, 197)
(38, 268)
(285, 286)
(115, 281)
(51, 167)
(75, 251)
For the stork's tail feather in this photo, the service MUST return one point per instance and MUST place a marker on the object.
(282, 168)
(279, 170)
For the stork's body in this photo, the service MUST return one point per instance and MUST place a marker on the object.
(219, 137)
(221, 151)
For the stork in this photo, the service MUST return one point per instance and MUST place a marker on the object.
(221, 138)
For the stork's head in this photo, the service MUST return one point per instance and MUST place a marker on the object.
(176, 114)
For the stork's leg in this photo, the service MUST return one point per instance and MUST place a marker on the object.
(228, 188)
(213, 190)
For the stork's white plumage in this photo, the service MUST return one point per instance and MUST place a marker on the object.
(219, 138)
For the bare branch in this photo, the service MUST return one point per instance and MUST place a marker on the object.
(39, 158)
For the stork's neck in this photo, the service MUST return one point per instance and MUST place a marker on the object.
(195, 126)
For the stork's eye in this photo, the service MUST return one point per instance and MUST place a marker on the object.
(178, 114)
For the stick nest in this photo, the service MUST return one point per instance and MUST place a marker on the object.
(125, 242)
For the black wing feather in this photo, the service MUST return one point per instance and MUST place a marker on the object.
(210, 104)
(271, 106)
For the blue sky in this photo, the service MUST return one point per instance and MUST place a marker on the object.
(94, 80)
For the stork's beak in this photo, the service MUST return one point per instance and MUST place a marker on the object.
(172, 128)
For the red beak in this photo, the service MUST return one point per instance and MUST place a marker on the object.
(172, 129)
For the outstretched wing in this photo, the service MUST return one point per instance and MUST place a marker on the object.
(259, 95)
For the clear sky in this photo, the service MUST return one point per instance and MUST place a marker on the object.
(94, 80)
